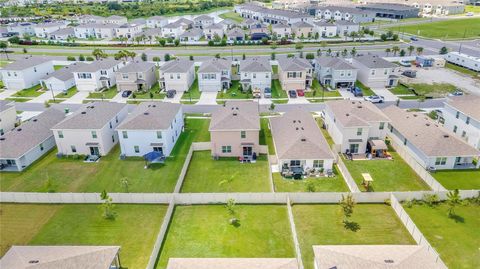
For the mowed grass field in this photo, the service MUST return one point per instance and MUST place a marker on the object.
(459, 179)
(447, 29)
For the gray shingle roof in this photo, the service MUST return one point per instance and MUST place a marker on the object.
(467, 104)
(195, 32)
(426, 135)
(101, 64)
(297, 136)
(255, 65)
(151, 116)
(49, 24)
(65, 73)
(215, 65)
(203, 17)
(98, 25)
(30, 134)
(177, 66)
(302, 24)
(232, 263)
(137, 66)
(64, 31)
(294, 64)
(214, 26)
(340, 22)
(334, 63)
(374, 61)
(157, 18)
(91, 116)
(356, 113)
(236, 32)
(236, 115)
(323, 24)
(26, 62)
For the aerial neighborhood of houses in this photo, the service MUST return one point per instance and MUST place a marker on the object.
(280, 135)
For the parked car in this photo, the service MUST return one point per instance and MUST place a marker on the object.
(469, 14)
(126, 94)
(300, 93)
(267, 93)
(292, 94)
(374, 98)
(410, 73)
(357, 92)
(257, 93)
(457, 92)
(171, 93)
(405, 63)
(414, 38)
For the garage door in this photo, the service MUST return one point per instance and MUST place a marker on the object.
(14, 85)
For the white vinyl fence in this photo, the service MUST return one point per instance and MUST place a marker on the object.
(346, 174)
(161, 235)
(298, 251)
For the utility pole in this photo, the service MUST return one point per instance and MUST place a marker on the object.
(464, 34)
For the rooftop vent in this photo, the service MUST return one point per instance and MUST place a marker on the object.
(389, 261)
(296, 128)
(146, 113)
(2, 138)
(359, 106)
(234, 113)
(446, 136)
(428, 124)
(303, 139)
(294, 121)
(33, 261)
(19, 129)
(347, 114)
(84, 112)
(35, 120)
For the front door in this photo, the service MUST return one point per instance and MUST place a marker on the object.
(391, 82)
(94, 151)
(247, 151)
(158, 149)
(458, 160)
(354, 148)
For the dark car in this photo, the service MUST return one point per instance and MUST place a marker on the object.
(292, 94)
(267, 93)
(410, 73)
(171, 93)
(357, 92)
(414, 38)
(126, 94)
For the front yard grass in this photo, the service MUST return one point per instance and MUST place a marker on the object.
(266, 135)
(33, 91)
(277, 91)
(433, 90)
(388, 175)
(106, 94)
(458, 179)
(72, 175)
(69, 93)
(234, 92)
(322, 225)
(321, 184)
(318, 91)
(193, 92)
(19, 223)
(204, 231)
(226, 174)
(455, 239)
(232, 15)
(401, 89)
(366, 90)
(134, 230)
(155, 90)
(448, 29)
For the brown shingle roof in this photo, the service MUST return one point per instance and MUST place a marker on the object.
(236, 115)
(150, 116)
(467, 104)
(356, 113)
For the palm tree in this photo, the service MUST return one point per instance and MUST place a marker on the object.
(329, 52)
(453, 198)
(395, 49)
(3, 46)
(353, 52)
(410, 50)
(388, 50)
(419, 50)
(98, 54)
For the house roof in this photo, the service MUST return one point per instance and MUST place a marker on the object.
(177, 66)
(101, 64)
(30, 134)
(214, 26)
(236, 32)
(294, 64)
(343, 22)
(375, 257)
(255, 64)
(467, 104)
(280, 25)
(49, 24)
(334, 63)
(194, 32)
(323, 24)
(426, 135)
(351, 10)
(232, 263)
(215, 65)
(64, 31)
(203, 17)
(137, 66)
(6, 104)
(356, 113)
(374, 61)
(302, 24)
(157, 18)
(98, 25)
(151, 116)
(115, 17)
(236, 115)
(58, 257)
(297, 136)
(26, 62)
(151, 32)
(66, 72)
(184, 21)
(93, 115)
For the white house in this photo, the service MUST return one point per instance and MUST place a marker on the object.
(299, 143)
(63, 34)
(115, 19)
(21, 28)
(26, 72)
(462, 117)
(464, 60)
(62, 79)
(429, 143)
(156, 22)
(8, 116)
(178, 75)
(255, 73)
(345, 28)
(281, 30)
(152, 126)
(203, 21)
(214, 75)
(214, 30)
(173, 29)
(194, 34)
(43, 30)
(325, 29)
(97, 75)
(375, 72)
(28, 142)
(85, 30)
(131, 29)
(335, 72)
(351, 124)
(90, 130)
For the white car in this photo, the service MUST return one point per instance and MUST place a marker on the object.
(374, 98)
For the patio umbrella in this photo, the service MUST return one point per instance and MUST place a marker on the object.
(153, 156)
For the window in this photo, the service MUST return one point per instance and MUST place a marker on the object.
(60, 134)
(354, 148)
(317, 163)
(295, 163)
(116, 119)
(159, 134)
(457, 115)
(103, 72)
(125, 76)
(267, 75)
(385, 71)
(34, 69)
(254, 75)
(178, 76)
(359, 131)
(226, 149)
(440, 160)
(41, 146)
(113, 138)
(110, 125)
(173, 139)
(74, 149)
(467, 121)
(373, 72)
(125, 134)
(405, 141)
(243, 134)
(382, 126)
(171, 76)
(136, 149)
(464, 134)
(94, 134)
(455, 128)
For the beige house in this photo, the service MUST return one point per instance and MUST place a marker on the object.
(177, 75)
(8, 116)
(295, 73)
(303, 29)
(136, 76)
(234, 130)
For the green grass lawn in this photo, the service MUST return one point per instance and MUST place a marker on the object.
(463, 70)
(193, 92)
(69, 175)
(321, 184)
(4, 63)
(456, 240)
(366, 90)
(232, 15)
(266, 136)
(106, 94)
(433, 90)
(277, 91)
(134, 230)
(226, 174)
(447, 29)
(19, 100)
(69, 93)
(324, 132)
(234, 92)
(57, 67)
(401, 89)
(474, 9)
(458, 179)
(203, 231)
(388, 175)
(318, 91)
(30, 92)
(155, 90)
(322, 225)
(19, 223)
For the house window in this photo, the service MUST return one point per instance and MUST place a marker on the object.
(171, 76)
(178, 76)
(464, 134)
(254, 75)
(74, 149)
(354, 148)
(226, 149)
(60, 134)
(116, 119)
(295, 163)
(440, 160)
(373, 72)
(41, 146)
(405, 141)
(267, 75)
(173, 139)
(34, 69)
(103, 72)
(159, 134)
(455, 128)
(110, 125)
(457, 115)
(317, 163)
(467, 121)
(94, 134)
(125, 76)
(359, 131)
(113, 138)
(125, 134)
(136, 149)
(243, 134)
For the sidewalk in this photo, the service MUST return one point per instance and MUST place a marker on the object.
(176, 99)
(118, 98)
(388, 95)
(77, 98)
(6, 93)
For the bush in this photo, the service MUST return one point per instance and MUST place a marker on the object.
(431, 199)
(90, 59)
(310, 56)
(71, 58)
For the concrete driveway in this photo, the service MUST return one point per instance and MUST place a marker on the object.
(208, 98)
(388, 95)
(77, 98)
(6, 93)
(176, 99)
(44, 97)
(119, 99)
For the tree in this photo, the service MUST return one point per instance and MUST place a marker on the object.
(383, 37)
(402, 53)
(25, 50)
(410, 50)
(89, 59)
(329, 52)
(272, 107)
(387, 51)
(453, 199)
(190, 57)
(272, 57)
(347, 204)
(443, 50)
(71, 58)
(161, 41)
(344, 53)
(243, 56)
(107, 206)
(310, 56)
(156, 59)
(81, 58)
(395, 50)
(167, 57)
(14, 40)
(419, 50)
(125, 183)
(176, 42)
(353, 52)
(217, 55)
(4, 46)
(144, 57)
(99, 54)
(230, 206)
(319, 52)
(299, 46)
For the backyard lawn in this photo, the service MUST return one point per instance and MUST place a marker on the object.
(266, 136)
(388, 175)
(458, 179)
(69, 93)
(204, 231)
(234, 92)
(19, 223)
(155, 90)
(69, 175)
(193, 92)
(322, 184)
(30, 92)
(318, 91)
(456, 240)
(447, 29)
(232, 15)
(135, 230)
(226, 174)
(277, 91)
(322, 225)
(106, 94)
(324, 132)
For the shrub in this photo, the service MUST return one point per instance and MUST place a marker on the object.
(71, 58)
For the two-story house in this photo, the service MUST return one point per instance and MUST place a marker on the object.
(303, 29)
(375, 72)
(43, 30)
(325, 29)
(234, 130)
(131, 29)
(178, 75)
(156, 22)
(97, 75)
(8, 116)
(194, 34)
(26, 72)
(152, 126)
(345, 28)
(90, 130)
(115, 19)
(136, 76)
(294, 73)
(462, 117)
(255, 74)
(281, 30)
(352, 124)
(214, 31)
(174, 29)
(335, 72)
(214, 75)
(203, 21)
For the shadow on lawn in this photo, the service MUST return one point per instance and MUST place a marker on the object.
(457, 218)
(351, 225)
